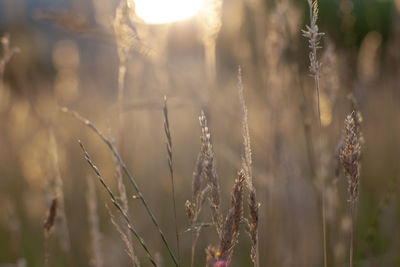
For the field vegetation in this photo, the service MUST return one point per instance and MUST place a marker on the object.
(254, 133)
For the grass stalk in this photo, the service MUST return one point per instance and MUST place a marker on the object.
(198, 194)
(58, 191)
(306, 127)
(234, 218)
(350, 156)
(230, 230)
(125, 236)
(351, 234)
(171, 170)
(125, 169)
(247, 167)
(121, 20)
(211, 176)
(117, 205)
(47, 227)
(93, 219)
(127, 241)
(195, 206)
(314, 38)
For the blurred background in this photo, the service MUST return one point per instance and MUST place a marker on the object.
(114, 67)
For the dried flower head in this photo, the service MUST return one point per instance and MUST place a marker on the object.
(50, 220)
(211, 175)
(233, 220)
(350, 155)
(314, 37)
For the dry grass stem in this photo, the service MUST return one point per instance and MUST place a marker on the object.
(247, 160)
(125, 238)
(349, 157)
(314, 37)
(117, 205)
(253, 225)
(57, 188)
(247, 167)
(122, 30)
(211, 176)
(215, 133)
(197, 181)
(171, 170)
(233, 220)
(93, 219)
(198, 195)
(47, 227)
(127, 172)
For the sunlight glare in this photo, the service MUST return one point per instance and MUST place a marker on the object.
(166, 11)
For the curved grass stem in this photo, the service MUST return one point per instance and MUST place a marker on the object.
(117, 205)
(128, 174)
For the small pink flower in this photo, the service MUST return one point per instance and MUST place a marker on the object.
(221, 263)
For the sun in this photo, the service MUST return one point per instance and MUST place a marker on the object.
(167, 11)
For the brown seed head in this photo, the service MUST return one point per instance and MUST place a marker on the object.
(51, 217)
(350, 155)
(233, 220)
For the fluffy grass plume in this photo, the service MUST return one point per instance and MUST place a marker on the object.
(211, 176)
(233, 220)
(230, 230)
(247, 167)
(199, 191)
